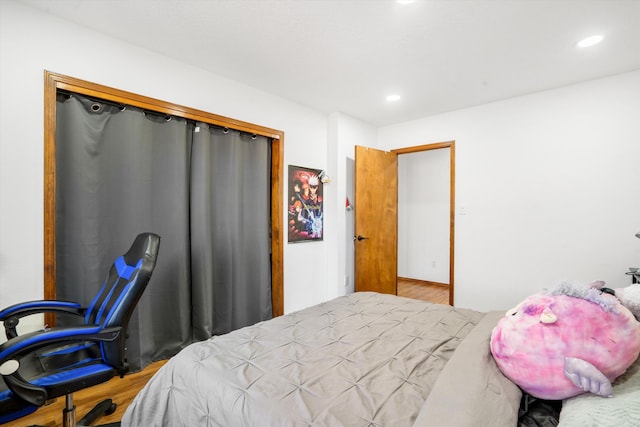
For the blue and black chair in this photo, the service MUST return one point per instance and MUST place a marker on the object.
(38, 366)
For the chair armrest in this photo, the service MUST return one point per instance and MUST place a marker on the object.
(18, 347)
(11, 315)
(30, 393)
(33, 307)
(22, 345)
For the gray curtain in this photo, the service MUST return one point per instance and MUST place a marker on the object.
(230, 224)
(121, 171)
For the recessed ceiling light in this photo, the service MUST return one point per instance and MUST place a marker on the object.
(393, 98)
(590, 41)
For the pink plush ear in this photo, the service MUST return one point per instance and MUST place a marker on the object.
(548, 316)
(587, 377)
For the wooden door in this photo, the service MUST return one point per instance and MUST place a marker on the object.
(376, 220)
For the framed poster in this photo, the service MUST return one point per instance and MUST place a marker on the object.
(305, 204)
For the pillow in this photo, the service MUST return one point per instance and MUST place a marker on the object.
(621, 410)
(471, 391)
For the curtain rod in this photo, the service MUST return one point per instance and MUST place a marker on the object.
(167, 117)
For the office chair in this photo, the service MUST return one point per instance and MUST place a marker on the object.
(58, 361)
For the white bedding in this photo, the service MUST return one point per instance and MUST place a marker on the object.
(621, 410)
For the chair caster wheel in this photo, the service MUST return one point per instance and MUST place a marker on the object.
(111, 409)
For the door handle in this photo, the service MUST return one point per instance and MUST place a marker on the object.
(359, 237)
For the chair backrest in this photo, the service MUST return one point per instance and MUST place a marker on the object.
(121, 291)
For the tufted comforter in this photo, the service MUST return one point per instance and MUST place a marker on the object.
(365, 359)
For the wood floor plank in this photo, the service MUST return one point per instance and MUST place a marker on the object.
(433, 293)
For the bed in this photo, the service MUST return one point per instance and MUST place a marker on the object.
(365, 359)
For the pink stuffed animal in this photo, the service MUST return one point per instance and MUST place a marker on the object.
(567, 341)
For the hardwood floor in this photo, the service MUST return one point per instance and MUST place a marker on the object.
(121, 390)
(423, 291)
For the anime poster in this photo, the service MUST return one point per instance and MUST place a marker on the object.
(305, 204)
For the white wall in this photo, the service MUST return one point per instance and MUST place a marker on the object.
(548, 184)
(424, 193)
(548, 181)
(31, 42)
(345, 133)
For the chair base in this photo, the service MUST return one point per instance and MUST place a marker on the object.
(106, 407)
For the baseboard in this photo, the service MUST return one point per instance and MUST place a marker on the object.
(423, 282)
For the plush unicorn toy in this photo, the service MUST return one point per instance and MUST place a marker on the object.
(569, 340)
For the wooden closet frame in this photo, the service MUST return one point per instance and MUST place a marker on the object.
(53, 82)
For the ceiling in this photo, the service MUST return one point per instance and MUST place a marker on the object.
(348, 55)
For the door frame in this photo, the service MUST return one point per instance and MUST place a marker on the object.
(452, 175)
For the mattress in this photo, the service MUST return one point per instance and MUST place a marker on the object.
(365, 359)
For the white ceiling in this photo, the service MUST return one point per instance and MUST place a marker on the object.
(347, 55)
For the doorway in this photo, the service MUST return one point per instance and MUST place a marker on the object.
(423, 225)
(434, 272)
(370, 236)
